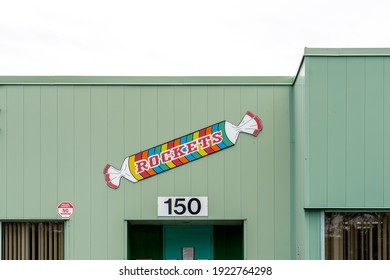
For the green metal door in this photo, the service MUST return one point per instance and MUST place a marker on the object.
(188, 242)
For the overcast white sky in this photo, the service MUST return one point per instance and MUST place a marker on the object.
(180, 38)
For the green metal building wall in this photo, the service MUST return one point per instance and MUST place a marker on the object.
(349, 132)
(324, 147)
(56, 139)
(341, 136)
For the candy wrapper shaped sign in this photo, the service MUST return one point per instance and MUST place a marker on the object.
(182, 150)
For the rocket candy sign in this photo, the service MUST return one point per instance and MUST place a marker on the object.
(182, 150)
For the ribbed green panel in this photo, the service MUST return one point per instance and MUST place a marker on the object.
(66, 157)
(82, 172)
(199, 107)
(182, 125)
(166, 98)
(115, 149)
(354, 132)
(32, 152)
(266, 175)
(336, 136)
(15, 154)
(132, 137)
(99, 157)
(215, 171)
(348, 104)
(148, 134)
(299, 152)
(314, 234)
(373, 148)
(3, 151)
(386, 132)
(49, 160)
(58, 139)
(233, 203)
(318, 127)
(282, 192)
(66, 145)
(249, 179)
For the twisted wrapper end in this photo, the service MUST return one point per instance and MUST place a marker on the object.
(113, 176)
(250, 124)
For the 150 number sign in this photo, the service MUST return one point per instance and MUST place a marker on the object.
(182, 206)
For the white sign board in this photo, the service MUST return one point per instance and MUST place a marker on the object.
(65, 210)
(182, 206)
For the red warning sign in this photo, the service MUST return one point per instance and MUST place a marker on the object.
(65, 210)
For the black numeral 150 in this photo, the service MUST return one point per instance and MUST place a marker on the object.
(179, 207)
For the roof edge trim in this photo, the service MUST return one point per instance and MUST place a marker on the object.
(347, 52)
(146, 80)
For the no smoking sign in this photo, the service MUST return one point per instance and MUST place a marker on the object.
(65, 210)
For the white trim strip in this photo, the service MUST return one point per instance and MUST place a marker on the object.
(322, 241)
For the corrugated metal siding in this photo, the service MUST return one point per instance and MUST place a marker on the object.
(314, 233)
(3, 153)
(349, 128)
(56, 141)
(298, 165)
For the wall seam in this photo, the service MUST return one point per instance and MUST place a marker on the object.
(124, 252)
(57, 149)
(140, 149)
(346, 134)
(274, 165)
(224, 163)
(364, 129)
(6, 151)
(74, 170)
(258, 185)
(90, 172)
(107, 197)
(327, 131)
(383, 130)
(174, 135)
(207, 122)
(245, 233)
(306, 136)
(40, 150)
(23, 151)
(190, 129)
(240, 172)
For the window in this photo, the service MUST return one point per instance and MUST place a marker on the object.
(32, 240)
(357, 236)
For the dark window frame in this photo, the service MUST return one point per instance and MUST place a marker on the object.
(32, 240)
(357, 234)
